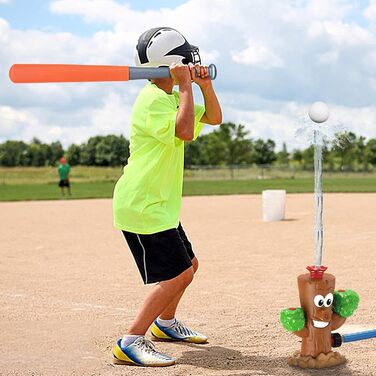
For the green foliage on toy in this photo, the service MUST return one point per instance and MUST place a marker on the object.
(345, 302)
(293, 319)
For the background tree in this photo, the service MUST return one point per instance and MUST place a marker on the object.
(360, 154)
(74, 154)
(88, 151)
(12, 153)
(308, 158)
(37, 153)
(297, 156)
(344, 146)
(240, 145)
(56, 152)
(371, 151)
(283, 156)
(263, 152)
(111, 151)
(228, 145)
(193, 153)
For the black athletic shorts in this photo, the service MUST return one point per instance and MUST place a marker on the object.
(161, 256)
(64, 183)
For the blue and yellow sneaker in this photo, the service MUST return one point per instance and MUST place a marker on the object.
(176, 332)
(141, 352)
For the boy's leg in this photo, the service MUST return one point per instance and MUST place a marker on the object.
(170, 310)
(166, 327)
(157, 301)
(155, 255)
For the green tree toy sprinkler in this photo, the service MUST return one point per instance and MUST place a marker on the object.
(323, 309)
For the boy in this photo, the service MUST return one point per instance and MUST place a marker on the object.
(147, 198)
(63, 169)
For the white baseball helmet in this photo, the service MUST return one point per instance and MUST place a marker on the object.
(162, 46)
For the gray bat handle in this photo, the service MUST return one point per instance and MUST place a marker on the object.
(138, 73)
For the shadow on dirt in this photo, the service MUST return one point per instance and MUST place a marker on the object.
(222, 358)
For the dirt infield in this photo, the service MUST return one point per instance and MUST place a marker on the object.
(69, 286)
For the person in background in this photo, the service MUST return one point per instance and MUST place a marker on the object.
(63, 169)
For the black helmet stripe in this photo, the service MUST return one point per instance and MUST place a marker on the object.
(143, 42)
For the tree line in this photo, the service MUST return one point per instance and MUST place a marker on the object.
(228, 145)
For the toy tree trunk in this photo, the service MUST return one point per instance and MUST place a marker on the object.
(318, 338)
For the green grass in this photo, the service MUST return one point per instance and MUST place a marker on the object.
(226, 187)
(104, 189)
(52, 191)
(43, 175)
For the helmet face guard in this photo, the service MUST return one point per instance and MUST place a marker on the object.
(189, 52)
(196, 56)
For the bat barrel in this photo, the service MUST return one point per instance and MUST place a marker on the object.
(35, 73)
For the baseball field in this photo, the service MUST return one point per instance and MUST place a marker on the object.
(69, 286)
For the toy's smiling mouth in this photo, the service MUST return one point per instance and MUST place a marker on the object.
(320, 324)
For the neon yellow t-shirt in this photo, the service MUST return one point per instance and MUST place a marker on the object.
(147, 197)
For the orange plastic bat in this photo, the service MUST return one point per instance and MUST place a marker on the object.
(34, 73)
(31, 73)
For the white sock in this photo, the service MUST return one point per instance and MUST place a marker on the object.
(128, 339)
(166, 323)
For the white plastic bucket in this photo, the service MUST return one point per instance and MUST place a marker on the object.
(273, 205)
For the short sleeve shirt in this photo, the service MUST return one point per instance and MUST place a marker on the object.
(147, 197)
(63, 170)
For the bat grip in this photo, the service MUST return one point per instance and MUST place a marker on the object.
(139, 73)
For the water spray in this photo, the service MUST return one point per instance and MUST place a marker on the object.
(318, 113)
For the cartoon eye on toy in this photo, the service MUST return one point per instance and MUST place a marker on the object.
(328, 300)
(319, 301)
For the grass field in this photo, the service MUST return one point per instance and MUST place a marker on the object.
(17, 184)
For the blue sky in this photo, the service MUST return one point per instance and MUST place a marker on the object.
(38, 15)
(274, 59)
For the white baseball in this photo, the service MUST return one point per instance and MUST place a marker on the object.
(319, 112)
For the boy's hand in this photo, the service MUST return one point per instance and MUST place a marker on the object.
(180, 73)
(199, 74)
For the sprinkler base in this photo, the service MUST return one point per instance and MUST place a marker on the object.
(330, 359)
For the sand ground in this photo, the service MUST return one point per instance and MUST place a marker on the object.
(69, 287)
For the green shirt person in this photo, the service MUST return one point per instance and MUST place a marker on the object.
(63, 169)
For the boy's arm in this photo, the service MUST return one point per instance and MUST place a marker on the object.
(185, 118)
(213, 112)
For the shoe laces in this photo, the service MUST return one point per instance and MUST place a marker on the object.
(182, 329)
(145, 345)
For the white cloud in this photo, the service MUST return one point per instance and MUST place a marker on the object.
(113, 116)
(329, 9)
(257, 54)
(340, 33)
(274, 58)
(370, 11)
(106, 11)
(14, 122)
